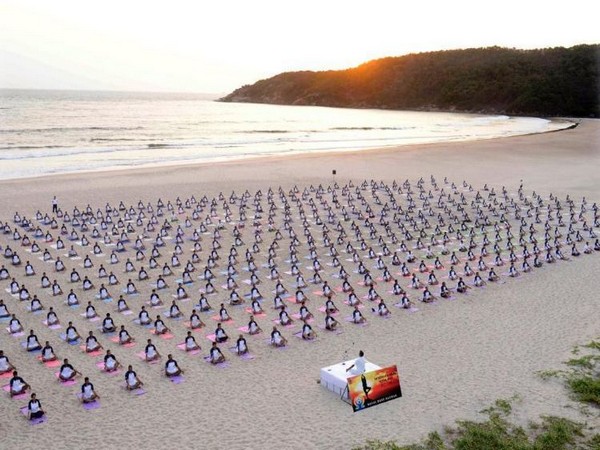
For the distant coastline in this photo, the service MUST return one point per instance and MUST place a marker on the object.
(553, 82)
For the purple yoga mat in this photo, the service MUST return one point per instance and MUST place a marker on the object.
(177, 379)
(91, 405)
(37, 421)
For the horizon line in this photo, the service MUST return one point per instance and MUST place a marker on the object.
(119, 91)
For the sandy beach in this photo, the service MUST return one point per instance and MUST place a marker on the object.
(454, 358)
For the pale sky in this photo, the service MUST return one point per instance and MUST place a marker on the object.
(216, 46)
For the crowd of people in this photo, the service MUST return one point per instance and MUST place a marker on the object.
(277, 261)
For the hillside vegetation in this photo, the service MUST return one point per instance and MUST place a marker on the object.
(543, 82)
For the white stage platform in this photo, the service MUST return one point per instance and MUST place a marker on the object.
(334, 377)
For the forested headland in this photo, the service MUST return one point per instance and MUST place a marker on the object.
(542, 82)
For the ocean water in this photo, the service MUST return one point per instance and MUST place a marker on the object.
(47, 132)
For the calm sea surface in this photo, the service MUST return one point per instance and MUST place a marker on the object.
(45, 132)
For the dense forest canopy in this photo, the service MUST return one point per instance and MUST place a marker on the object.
(543, 82)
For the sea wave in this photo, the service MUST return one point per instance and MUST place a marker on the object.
(372, 128)
(122, 139)
(30, 147)
(54, 129)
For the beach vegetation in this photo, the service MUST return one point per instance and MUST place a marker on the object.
(499, 432)
(583, 376)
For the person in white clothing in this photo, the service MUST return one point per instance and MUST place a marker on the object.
(171, 367)
(34, 408)
(132, 381)
(359, 364)
(5, 365)
(88, 394)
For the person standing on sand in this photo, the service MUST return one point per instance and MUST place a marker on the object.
(55, 205)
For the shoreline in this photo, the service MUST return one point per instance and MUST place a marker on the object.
(298, 154)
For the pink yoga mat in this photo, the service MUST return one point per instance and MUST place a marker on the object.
(249, 311)
(94, 353)
(166, 335)
(218, 319)
(65, 383)
(142, 356)
(6, 374)
(100, 365)
(189, 352)
(322, 309)
(53, 363)
(6, 388)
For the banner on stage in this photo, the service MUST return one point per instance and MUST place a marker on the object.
(375, 387)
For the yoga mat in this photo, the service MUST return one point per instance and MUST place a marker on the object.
(21, 396)
(63, 336)
(218, 319)
(323, 310)
(52, 327)
(137, 321)
(189, 352)
(89, 406)
(53, 363)
(249, 311)
(25, 411)
(6, 374)
(127, 312)
(360, 305)
(193, 330)
(112, 373)
(93, 319)
(37, 350)
(166, 335)
(278, 322)
(138, 391)
(142, 356)
(351, 320)
(71, 382)
(221, 365)
(177, 379)
(19, 334)
(247, 356)
(94, 353)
